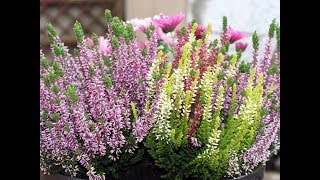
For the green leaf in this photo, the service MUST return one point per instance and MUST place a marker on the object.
(58, 50)
(107, 81)
(57, 100)
(114, 42)
(55, 116)
(255, 41)
(144, 52)
(134, 111)
(78, 31)
(129, 34)
(272, 28)
(94, 38)
(224, 23)
(244, 67)
(67, 127)
(221, 75)
(108, 16)
(183, 31)
(72, 93)
(44, 62)
(57, 69)
(48, 124)
(117, 26)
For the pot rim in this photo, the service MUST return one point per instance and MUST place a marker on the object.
(260, 168)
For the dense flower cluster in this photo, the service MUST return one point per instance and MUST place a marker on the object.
(220, 110)
(87, 100)
(201, 111)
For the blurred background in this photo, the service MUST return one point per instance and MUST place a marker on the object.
(245, 15)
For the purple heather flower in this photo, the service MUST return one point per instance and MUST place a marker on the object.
(85, 102)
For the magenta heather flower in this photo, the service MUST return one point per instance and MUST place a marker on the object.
(234, 35)
(168, 23)
(199, 31)
(241, 46)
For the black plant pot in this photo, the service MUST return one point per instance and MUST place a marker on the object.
(257, 174)
(145, 170)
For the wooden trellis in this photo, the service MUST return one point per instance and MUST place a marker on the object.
(62, 14)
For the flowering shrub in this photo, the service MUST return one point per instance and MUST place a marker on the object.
(216, 116)
(92, 103)
(201, 111)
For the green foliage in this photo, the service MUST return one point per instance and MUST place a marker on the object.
(149, 30)
(45, 114)
(193, 21)
(106, 60)
(183, 31)
(55, 117)
(170, 158)
(78, 31)
(76, 52)
(108, 16)
(58, 50)
(272, 28)
(67, 127)
(107, 81)
(51, 77)
(144, 52)
(233, 100)
(94, 38)
(52, 33)
(44, 62)
(115, 42)
(57, 69)
(221, 75)
(278, 37)
(128, 33)
(273, 69)
(134, 111)
(239, 54)
(48, 124)
(244, 67)
(225, 48)
(57, 100)
(72, 93)
(215, 43)
(224, 23)
(255, 41)
(117, 26)
(51, 29)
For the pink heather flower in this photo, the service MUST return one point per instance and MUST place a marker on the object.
(168, 23)
(164, 37)
(90, 41)
(199, 31)
(142, 45)
(234, 35)
(140, 24)
(241, 46)
(104, 46)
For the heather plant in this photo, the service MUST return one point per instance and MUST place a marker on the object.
(216, 115)
(94, 108)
